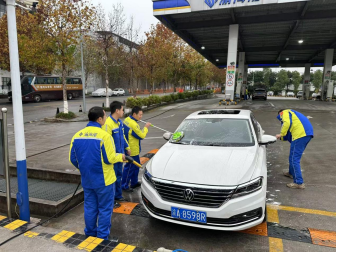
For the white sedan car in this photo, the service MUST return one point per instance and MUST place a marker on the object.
(118, 92)
(213, 176)
(290, 94)
(102, 92)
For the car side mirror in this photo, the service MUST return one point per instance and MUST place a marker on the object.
(167, 136)
(267, 139)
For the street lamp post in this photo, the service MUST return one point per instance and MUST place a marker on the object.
(22, 197)
(82, 62)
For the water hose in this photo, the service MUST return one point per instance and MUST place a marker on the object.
(156, 127)
(131, 160)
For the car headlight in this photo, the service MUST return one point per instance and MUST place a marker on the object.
(248, 188)
(148, 177)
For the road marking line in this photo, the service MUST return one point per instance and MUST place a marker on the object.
(272, 215)
(168, 116)
(271, 104)
(31, 234)
(15, 224)
(302, 210)
(62, 236)
(2, 217)
(275, 245)
(120, 247)
(129, 248)
(125, 208)
(86, 242)
(323, 238)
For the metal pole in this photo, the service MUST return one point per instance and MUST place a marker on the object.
(22, 197)
(82, 63)
(83, 75)
(6, 162)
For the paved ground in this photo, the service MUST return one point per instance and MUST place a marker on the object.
(313, 207)
(48, 108)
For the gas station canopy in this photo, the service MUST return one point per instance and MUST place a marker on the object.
(272, 33)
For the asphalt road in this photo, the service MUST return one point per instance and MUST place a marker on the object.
(319, 172)
(36, 111)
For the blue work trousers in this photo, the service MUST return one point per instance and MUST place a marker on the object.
(297, 148)
(118, 167)
(98, 208)
(130, 173)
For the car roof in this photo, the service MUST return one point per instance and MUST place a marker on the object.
(221, 113)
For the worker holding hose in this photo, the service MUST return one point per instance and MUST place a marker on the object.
(134, 135)
(92, 151)
(114, 127)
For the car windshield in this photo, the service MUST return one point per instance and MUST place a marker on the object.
(216, 132)
(99, 90)
(116, 89)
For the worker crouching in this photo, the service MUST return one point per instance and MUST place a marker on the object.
(92, 151)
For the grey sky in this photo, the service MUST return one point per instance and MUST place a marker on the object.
(142, 12)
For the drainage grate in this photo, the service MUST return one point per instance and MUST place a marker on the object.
(42, 189)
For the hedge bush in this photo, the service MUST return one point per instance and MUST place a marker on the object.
(166, 98)
(153, 100)
(69, 115)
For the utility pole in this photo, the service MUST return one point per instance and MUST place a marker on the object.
(82, 62)
(22, 197)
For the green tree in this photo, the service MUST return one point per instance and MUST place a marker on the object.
(272, 78)
(282, 79)
(296, 80)
(266, 76)
(63, 20)
(318, 77)
(36, 47)
(257, 76)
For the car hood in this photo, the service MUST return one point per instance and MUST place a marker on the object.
(204, 164)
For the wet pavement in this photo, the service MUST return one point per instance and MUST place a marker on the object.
(296, 213)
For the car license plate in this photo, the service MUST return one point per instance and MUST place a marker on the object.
(189, 215)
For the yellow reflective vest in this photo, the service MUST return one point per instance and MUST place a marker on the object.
(92, 151)
(134, 134)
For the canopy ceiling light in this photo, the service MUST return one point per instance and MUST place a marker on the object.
(300, 41)
(203, 48)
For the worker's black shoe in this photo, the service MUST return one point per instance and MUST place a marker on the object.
(122, 200)
(116, 205)
(128, 190)
(136, 185)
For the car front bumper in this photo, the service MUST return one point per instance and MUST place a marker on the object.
(223, 218)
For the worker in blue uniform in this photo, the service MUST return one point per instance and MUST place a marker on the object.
(297, 129)
(92, 151)
(114, 127)
(134, 134)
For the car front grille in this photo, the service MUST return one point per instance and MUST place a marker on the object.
(233, 221)
(205, 197)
